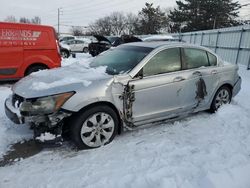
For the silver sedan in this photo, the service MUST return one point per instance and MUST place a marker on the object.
(141, 83)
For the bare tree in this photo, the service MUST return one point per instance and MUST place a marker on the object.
(149, 20)
(10, 19)
(114, 24)
(118, 23)
(24, 20)
(101, 26)
(132, 23)
(77, 31)
(36, 20)
(13, 19)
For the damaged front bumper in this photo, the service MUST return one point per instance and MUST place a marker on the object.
(13, 113)
(41, 122)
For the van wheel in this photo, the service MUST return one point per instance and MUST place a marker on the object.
(65, 54)
(35, 68)
(85, 50)
(94, 127)
(222, 96)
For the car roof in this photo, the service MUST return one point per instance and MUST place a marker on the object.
(74, 40)
(157, 44)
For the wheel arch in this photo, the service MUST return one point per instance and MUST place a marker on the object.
(227, 84)
(33, 65)
(105, 103)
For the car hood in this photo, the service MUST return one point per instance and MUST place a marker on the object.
(101, 38)
(60, 80)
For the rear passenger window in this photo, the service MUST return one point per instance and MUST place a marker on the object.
(212, 59)
(194, 58)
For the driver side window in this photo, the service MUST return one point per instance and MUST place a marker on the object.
(163, 62)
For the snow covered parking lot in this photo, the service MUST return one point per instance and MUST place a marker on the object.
(204, 150)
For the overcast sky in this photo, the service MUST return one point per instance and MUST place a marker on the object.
(80, 12)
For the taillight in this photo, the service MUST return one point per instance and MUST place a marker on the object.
(57, 46)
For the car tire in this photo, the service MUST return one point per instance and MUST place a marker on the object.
(94, 127)
(65, 54)
(35, 68)
(85, 50)
(92, 54)
(222, 96)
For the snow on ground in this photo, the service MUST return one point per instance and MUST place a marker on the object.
(204, 150)
(9, 132)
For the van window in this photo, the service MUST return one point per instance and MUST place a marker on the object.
(79, 42)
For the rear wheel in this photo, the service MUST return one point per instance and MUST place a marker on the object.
(222, 96)
(85, 50)
(95, 127)
(65, 54)
(34, 68)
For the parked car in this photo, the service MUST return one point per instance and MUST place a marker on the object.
(77, 45)
(104, 43)
(131, 85)
(100, 45)
(64, 50)
(26, 48)
(66, 38)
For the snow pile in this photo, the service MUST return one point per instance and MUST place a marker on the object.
(81, 58)
(74, 71)
(204, 150)
(45, 137)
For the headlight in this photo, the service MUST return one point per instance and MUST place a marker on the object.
(44, 105)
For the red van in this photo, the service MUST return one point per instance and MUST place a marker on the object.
(26, 48)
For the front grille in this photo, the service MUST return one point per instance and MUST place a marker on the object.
(17, 100)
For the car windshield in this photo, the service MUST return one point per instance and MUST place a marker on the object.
(121, 59)
(112, 39)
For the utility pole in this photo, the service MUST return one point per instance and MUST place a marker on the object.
(58, 20)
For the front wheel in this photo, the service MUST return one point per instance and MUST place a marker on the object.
(94, 127)
(222, 96)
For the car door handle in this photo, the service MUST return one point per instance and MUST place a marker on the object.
(214, 72)
(197, 73)
(178, 79)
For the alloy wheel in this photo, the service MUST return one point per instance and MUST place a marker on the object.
(97, 129)
(223, 97)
